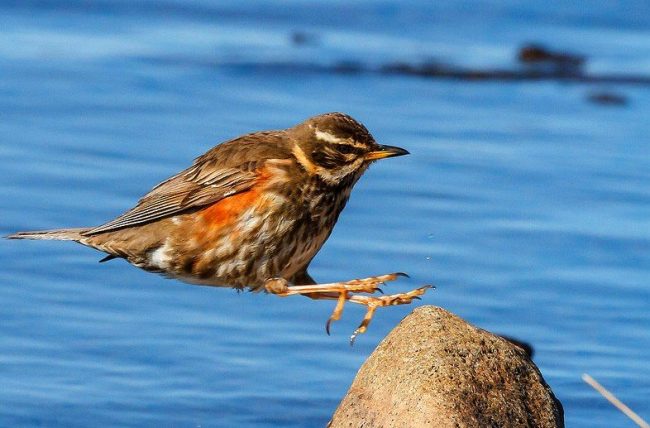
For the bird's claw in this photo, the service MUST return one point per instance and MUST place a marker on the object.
(374, 302)
(327, 325)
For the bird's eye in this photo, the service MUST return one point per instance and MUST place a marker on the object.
(345, 149)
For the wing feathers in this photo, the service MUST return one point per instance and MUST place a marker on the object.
(185, 191)
(223, 171)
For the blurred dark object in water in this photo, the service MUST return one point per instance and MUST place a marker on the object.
(349, 67)
(607, 98)
(538, 64)
(303, 38)
(448, 71)
(527, 347)
(540, 58)
(428, 68)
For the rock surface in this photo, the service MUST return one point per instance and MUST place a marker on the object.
(436, 370)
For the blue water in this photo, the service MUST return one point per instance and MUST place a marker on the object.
(526, 205)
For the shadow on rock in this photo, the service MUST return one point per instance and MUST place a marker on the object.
(527, 347)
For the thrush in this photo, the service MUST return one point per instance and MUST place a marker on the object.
(252, 213)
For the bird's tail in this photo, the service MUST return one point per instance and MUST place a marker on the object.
(57, 235)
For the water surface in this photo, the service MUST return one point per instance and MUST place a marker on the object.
(527, 206)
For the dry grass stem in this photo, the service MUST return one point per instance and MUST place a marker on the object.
(615, 401)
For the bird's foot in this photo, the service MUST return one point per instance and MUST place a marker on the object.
(373, 302)
(343, 291)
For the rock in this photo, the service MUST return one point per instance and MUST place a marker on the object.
(436, 370)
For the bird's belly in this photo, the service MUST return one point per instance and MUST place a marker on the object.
(261, 242)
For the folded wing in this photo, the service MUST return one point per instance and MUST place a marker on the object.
(202, 184)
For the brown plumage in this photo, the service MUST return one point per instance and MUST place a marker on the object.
(251, 210)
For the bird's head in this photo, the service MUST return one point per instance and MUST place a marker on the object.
(337, 148)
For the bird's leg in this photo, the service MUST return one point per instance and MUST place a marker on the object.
(343, 291)
(284, 288)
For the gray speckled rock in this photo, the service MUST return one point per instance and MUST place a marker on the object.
(434, 369)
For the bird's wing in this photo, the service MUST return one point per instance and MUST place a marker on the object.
(219, 173)
(192, 188)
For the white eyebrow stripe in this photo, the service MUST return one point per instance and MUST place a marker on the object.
(329, 138)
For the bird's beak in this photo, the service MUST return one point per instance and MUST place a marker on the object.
(385, 152)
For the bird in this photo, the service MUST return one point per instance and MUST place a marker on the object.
(251, 213)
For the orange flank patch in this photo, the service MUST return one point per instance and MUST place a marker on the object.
(226, 211)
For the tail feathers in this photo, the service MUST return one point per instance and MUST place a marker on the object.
(57, 235)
